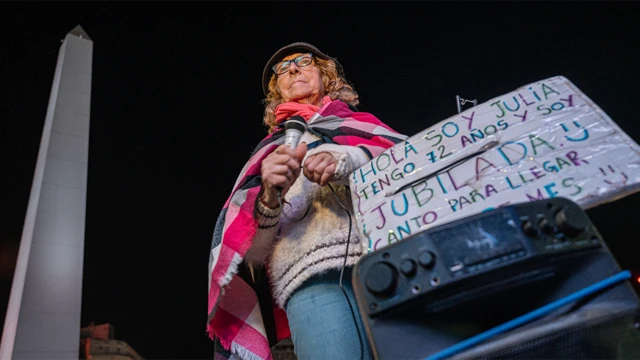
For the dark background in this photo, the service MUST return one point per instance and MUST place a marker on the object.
(176, 111)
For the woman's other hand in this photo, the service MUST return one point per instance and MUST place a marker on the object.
(279, 170)
(320, 168)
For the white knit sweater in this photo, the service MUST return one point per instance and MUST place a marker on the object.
(308, 236)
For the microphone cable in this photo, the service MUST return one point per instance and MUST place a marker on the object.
(346, 255)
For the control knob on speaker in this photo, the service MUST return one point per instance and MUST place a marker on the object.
(529, 229)
(426, 259)
(382, 279)
(570, 221)
(408, 267)
(546, 226)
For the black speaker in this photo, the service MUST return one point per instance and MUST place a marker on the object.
(449, 284)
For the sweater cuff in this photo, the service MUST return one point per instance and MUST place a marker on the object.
(341, 166)
(348, 158)
(265, 216)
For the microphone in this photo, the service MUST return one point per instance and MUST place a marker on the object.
(293, 130)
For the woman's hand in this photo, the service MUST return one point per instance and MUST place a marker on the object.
(320, 168)
(279, 170)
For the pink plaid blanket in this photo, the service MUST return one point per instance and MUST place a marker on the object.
(234, 313)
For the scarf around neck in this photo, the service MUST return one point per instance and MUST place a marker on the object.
(289, 109)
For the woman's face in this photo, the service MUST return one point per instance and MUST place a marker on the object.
(301, 84)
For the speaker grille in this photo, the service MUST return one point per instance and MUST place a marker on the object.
(611, 337)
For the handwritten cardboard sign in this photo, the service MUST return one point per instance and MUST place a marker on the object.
(544, 140)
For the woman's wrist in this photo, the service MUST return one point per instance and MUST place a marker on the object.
(268, 198)
(266, 216)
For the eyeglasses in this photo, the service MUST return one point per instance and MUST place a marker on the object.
(301, 61)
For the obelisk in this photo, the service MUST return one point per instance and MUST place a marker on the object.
(43, 315)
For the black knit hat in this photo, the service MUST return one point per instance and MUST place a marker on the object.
(297, 47)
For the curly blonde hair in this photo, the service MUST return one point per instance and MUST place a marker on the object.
(336, 87)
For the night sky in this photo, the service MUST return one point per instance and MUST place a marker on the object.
(176, 111)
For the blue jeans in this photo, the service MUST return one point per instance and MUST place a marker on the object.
(320, 320)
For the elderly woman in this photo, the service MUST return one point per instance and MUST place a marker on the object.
(288, 219)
